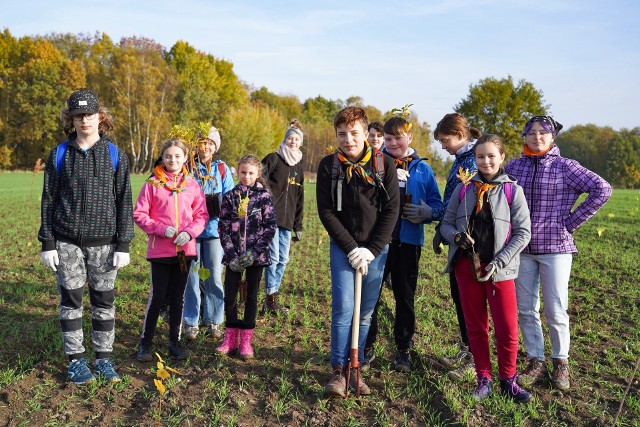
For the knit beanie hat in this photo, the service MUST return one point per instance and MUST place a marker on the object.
(293, 130)
(214, 135)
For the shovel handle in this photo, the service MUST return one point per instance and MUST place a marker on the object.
(355, 322)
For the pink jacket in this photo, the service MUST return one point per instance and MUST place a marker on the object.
(159, 207)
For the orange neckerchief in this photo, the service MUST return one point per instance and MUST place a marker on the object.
(403, 162)
(158, 171)
(527, 151)
(196, 171)
(482, 189)
(358, 168)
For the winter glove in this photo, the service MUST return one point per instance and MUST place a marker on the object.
(121, 259)
(297, 235)
(182, 238)
(464, 240)
(354, 257)
(50, 259)
(246, 259)
(418, 213)
(234, 265)
(491, 270)
(403, 175)
(438, 240)
(170, 231)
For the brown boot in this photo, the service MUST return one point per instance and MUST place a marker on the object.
(337, 385)
(560, 376)
(535, 373)
(271, 305)
(353, 383)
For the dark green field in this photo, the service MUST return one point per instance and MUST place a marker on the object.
(283, 385)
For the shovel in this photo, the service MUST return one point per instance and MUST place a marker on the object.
(355, 332)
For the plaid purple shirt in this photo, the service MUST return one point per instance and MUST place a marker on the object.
(551, 185)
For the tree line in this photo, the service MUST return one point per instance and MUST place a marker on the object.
(150, 90)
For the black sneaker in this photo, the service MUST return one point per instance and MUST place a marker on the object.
(402, 362)
(177, 352)
(369, 356)
(144, 352)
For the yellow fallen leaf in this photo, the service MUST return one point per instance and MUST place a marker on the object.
(600, 231)
(160, 386)
(159, 358)
(175, 371)
(611, 215)
(162, 374)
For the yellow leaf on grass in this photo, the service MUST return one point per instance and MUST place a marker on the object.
(175, 371)
(600, 231)
(611, 215)
(159, 358)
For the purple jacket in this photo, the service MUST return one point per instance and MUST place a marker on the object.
(254, 231)
(551, 185)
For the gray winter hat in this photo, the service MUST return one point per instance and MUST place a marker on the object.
(83, 101)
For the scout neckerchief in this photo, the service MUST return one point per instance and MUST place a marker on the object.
(160, 174)
(358, 167)
(482, 189)
(403, 163)
(196, 171)
(527, 151)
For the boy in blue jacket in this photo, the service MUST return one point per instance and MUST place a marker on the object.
(417, 182)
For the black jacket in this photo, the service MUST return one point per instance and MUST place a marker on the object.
(87, 204)
(287, 189)
(367, 217)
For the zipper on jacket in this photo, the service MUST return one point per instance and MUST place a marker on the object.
(533, 180)
(175, 204)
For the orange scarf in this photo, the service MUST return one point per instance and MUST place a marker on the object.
(482, 189)
(159, 172)
(527, 151)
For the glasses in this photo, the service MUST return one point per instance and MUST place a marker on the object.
(87, 116)
(534, 133)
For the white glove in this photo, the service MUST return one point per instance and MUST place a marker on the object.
(121, 259)
(491, 271)
(354, 257)
(182, 238)
(363, 262)
(417, 213)
(50, 259)
(403, 175)
(363, 267)
(170, 231)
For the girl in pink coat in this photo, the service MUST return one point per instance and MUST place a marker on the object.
(171, 209)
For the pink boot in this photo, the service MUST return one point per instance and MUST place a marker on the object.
(230, 342)
(246, 351)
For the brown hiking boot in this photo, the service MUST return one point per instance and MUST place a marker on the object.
(535, 373)
(560, 376)
(337, 385)
(353, 383)
(457, 359)
(271, 305)
(467, 369)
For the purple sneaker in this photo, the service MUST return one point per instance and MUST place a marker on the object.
(484, 388)
(511, 388)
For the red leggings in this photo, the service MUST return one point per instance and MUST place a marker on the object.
(502, 302)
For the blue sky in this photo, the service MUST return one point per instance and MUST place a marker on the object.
(583, 55)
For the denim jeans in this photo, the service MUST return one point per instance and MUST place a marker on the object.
(342, 302)
(552, 271)
(279, 251)
(210, 253)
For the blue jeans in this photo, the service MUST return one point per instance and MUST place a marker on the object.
(342, 301)
(279, 251)
(210, 252)
(552, 271)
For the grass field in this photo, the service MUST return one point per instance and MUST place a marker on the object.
(283, 385)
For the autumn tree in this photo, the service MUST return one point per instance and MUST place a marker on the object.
(145, 87)
(501, 107)
(289, 106)
(623, 160)
(588, 144)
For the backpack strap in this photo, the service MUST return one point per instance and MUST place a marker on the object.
(463, 191)
(221, 169)
(61, 151)
(337, 176)
(507, 187)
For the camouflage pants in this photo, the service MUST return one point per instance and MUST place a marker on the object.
(93, 265)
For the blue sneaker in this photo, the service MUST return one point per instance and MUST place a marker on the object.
(79, 372)
(511, 389)
(104, 368)
(484, 388)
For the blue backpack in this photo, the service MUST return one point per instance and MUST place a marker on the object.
(61, 151)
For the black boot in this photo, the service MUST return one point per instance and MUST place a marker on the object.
(271, 305)
(144, 352)
(177, 352)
